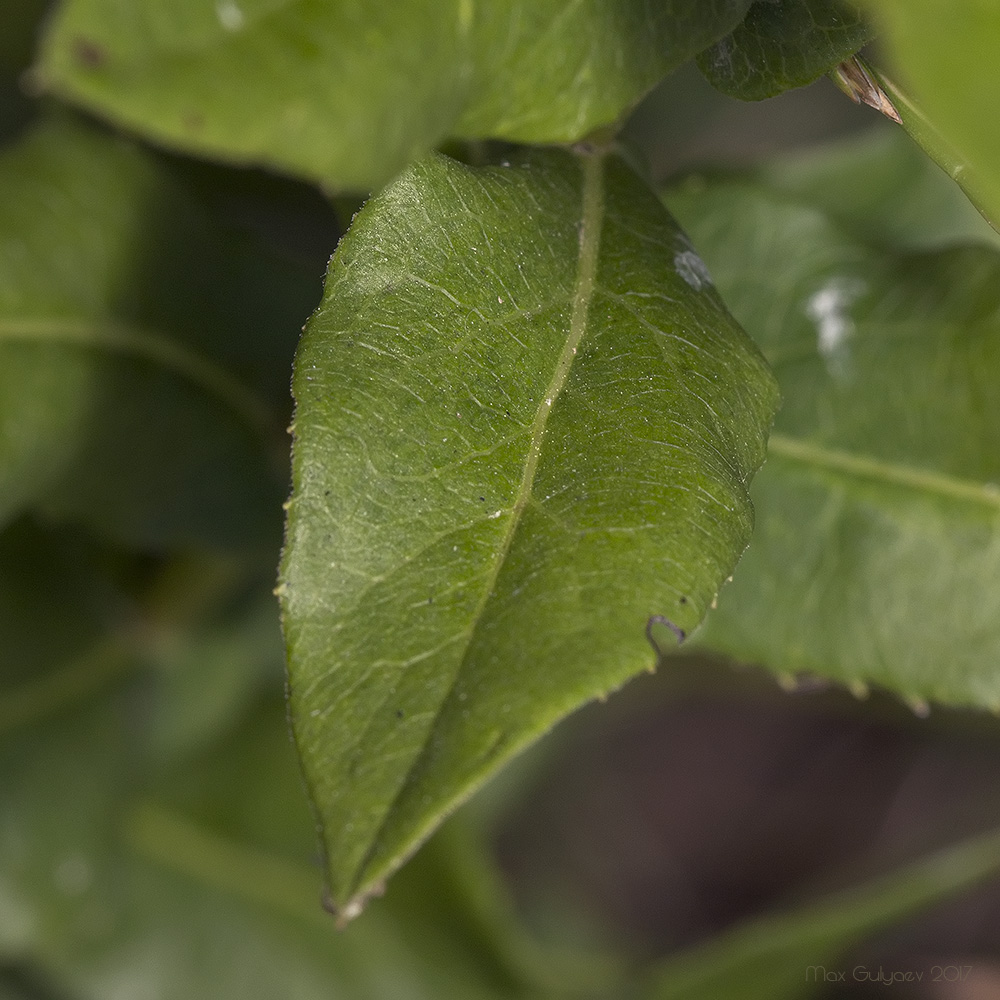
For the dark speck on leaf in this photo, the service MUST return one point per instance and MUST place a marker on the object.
(684, 600)
(399, 713)
(483, 499)
(89, 53)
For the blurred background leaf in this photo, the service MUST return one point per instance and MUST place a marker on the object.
(782, 44)
(347, 94)
(882, 188)
(884, 457)
(129, 872)
(144, 349)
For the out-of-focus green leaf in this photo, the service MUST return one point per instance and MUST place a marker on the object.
(63, 615)
(151, 844)
(945, 53)
(441, 905)
(525, 425)
(789, 956)
(60, 784)
(75, 616)
(882, 188)
(207, 674)
(54, 600)
(783, 44)
(210, 888)
(554, 71)
(877, 549)
(141, 349)
(347, 93)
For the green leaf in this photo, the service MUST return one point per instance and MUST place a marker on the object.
(77, 616)
(783, 44)
(154, 897)
(278, 82)
(208, 674)
(57, 601)
(883, 189)
(525, 424)
(876, 553)
(554, 72)
(141, 349)
(944, 51)
(54, 869)
(786, 956)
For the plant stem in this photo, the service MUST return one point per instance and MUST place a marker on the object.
(864, 84)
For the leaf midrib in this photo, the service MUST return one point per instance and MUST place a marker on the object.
(592, 216)
(113, 337)
(922, 481)
(583, 292)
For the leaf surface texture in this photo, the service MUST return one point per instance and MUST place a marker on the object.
(525, 424)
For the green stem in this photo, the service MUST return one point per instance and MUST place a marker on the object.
(34, 700)
(774, 951)
(864, 84)
(184, 847)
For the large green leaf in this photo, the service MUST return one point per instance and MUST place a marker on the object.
(882, 188)
(877, 552)
(209, 889)
(348, 92)
(141, 349)
(525, 424)
(793, 955)
(945, 51)
(783, 44)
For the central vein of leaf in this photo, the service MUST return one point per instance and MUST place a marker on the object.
(860, 466)
(110, 337)
(583, 292)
